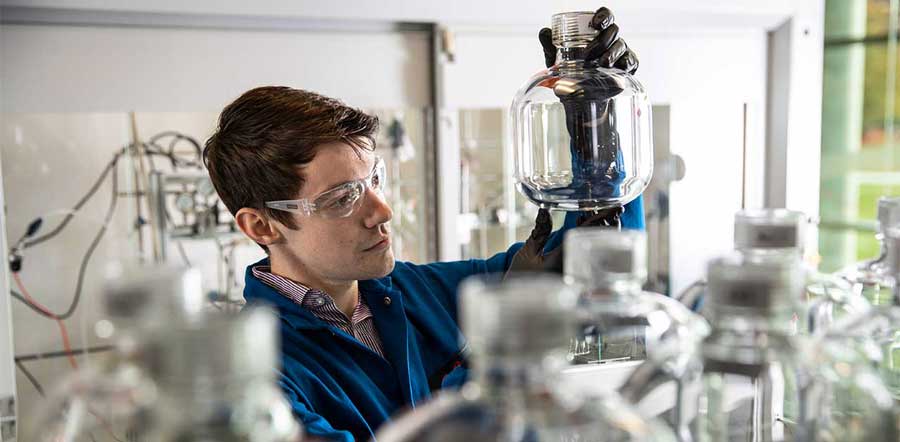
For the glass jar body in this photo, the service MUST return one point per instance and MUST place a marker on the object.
(252, 410)
(582, 137)
(113, 403)
(472, 415)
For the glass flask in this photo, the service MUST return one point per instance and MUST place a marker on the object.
(868, 278)
(113, 400)
(762, 233)
(762, 382)
(517, 330)
(217, 381)
(581, 133)
(881, 326)
(618, 322)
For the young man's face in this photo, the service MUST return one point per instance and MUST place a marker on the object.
(357, 247)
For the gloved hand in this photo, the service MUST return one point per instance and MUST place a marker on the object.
(606, 48)
(531, 257)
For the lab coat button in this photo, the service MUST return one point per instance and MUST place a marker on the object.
(387, 300)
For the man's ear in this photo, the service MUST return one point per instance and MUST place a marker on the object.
(257, 226)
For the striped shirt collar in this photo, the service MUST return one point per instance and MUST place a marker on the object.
(316, 301)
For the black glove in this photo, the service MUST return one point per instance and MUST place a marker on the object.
(606, 48)
(531, 257)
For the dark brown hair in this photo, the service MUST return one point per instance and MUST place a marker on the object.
(267, 135)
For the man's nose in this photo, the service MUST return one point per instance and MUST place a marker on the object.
(377, 210)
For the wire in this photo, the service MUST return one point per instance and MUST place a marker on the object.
(59, 354)
(34, 382)
(28, 303)
(86, 259)
(110, 166)
(63, 332)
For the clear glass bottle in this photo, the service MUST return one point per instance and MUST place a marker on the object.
(217, 381)
(761, 381)
(763, 233)
(869, 278)
(113, 400)
(881, 326)
(517, 331)
(223, 369)
(621, 323)
(581, 133)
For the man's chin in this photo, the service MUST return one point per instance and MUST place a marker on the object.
(380, 270)
(388, 265)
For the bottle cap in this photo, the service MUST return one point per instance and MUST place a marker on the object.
(769, 229)
(572, 28)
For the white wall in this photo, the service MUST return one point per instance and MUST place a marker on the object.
(665, 13)
(102, 69)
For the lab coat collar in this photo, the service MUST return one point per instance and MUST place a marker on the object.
(257, 292)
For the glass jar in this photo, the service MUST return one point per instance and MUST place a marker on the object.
(115, 399)
(762, 233)
(761, 381)
(581, 133)
(619, 323)
(517, 330)
(868, 278)
(881, 327)
(177, 372)
(218, 381)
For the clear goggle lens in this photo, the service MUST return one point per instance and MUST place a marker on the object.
(342, 201)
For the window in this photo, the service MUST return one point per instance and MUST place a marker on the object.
(859, 126)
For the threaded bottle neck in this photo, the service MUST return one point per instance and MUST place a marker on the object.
(573, 29)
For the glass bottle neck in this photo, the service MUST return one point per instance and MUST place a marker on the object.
(570, 57)
(603, 290)
(511, 383)
(737, 322)
(571, 53)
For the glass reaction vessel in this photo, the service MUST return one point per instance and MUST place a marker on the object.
(581, 133)
(764, 382)
(619, 323)
(517, 331)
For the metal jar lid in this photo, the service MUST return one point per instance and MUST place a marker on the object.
(570, 28)
(597, 257)
(153, 296)
(888, 213)
(753, 286)
(521, 316)
(769, 229)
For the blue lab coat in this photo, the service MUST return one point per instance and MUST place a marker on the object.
(339, 388)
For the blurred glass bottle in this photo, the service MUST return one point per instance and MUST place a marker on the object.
(754, 378)
(618, 322)
(113, 400)
(581, 133)
(882, 325)
(153, 312)
(764, 233)
(517, 331)
(871, 278)
(762, 382)
(217, 381)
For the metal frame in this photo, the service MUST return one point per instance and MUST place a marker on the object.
(7, 350)
(23, 15)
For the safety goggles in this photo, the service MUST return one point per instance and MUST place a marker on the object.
(339, 202)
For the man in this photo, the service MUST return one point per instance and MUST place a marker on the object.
(362, 336)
